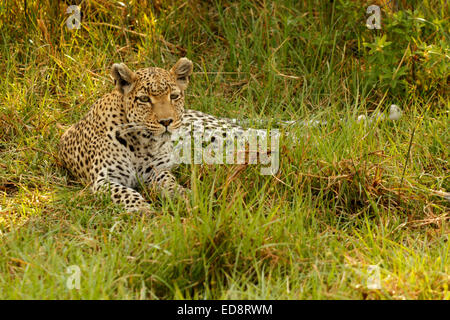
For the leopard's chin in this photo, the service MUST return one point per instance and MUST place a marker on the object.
(166, 136)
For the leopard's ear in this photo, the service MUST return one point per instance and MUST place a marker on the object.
(124, 78)
(182, 70)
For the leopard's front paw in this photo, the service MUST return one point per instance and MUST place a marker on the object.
(183, 191)
(143, 208)
(177, 192)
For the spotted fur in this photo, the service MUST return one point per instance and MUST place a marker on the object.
(126, 137)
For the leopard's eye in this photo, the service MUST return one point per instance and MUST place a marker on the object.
(145, 99)
(175, 96)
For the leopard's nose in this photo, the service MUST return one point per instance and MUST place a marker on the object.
(166, 122)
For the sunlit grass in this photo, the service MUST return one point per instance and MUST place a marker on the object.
(342, 200)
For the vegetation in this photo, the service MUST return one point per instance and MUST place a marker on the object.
(348, 195)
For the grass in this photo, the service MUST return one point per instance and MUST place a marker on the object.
(347, 195)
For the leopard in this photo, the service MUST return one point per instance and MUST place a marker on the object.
(125, 139)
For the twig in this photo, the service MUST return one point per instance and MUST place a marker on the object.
(406, 161)
(272, 63)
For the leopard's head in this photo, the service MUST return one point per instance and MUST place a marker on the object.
(154, 97)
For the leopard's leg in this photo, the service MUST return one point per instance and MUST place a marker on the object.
(126, 196)
(155, 171)
(167, 184)
(117, 176)
(162, 180)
